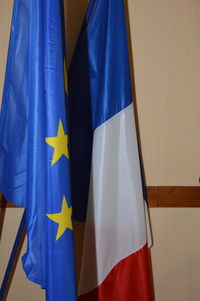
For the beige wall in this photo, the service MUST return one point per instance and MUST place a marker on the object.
(166, 52)
(165, 39)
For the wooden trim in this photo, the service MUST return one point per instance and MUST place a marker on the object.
(158, 196)
(173, 196)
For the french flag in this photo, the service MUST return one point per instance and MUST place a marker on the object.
(106, 174)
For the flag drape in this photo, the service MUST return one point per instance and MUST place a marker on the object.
(34, 156)
(105, 161)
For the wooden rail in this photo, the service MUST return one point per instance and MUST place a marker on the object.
(173, 196)
(159, 196)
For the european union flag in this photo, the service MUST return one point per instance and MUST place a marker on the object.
(34, 157)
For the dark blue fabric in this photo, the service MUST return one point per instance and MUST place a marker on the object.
(99, 87)
(34, 101)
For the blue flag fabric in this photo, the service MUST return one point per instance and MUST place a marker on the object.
(34, 157)
(99, 91)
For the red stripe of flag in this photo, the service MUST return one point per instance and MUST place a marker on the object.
(129, 280)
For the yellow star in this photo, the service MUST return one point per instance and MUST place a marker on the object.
(63, 218)
(60, 144)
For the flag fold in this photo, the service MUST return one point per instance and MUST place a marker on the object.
(34, 156)
(110, 196)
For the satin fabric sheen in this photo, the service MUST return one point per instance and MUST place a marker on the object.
(128, 280)
(99, 88)
(34, 101)
(116, 223)
(109, 194)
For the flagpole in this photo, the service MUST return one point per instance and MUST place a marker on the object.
(13, 256)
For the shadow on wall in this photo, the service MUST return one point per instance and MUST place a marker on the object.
(8, 276)
(74, 15)
(2, 213)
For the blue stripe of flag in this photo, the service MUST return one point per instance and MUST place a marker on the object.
(99, 85)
